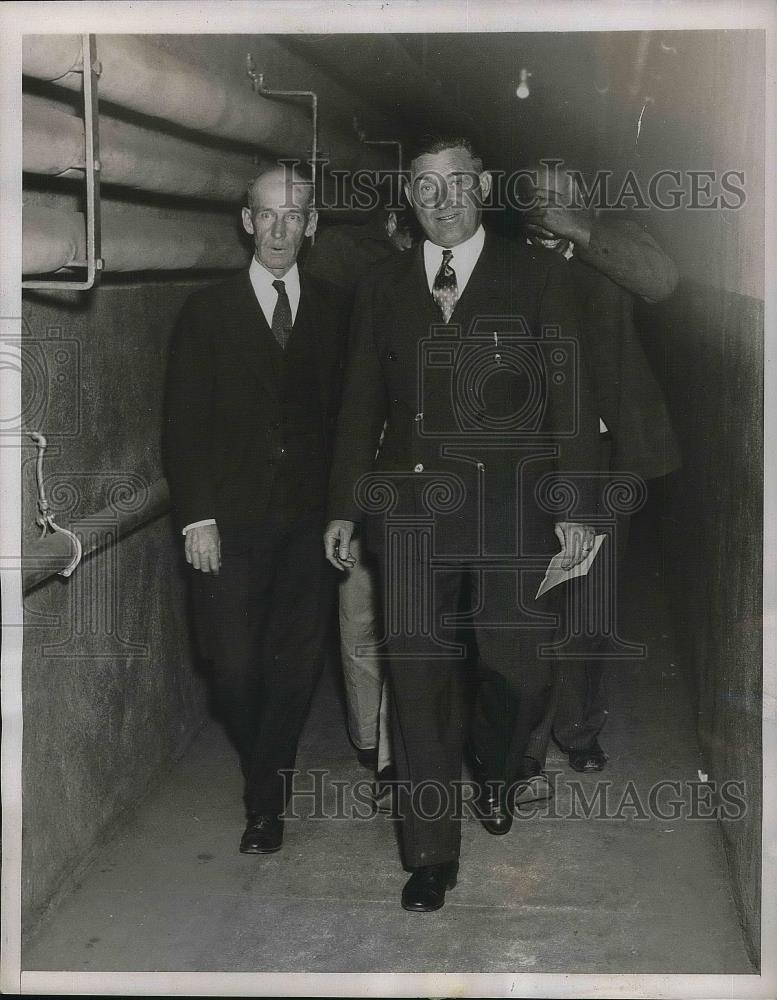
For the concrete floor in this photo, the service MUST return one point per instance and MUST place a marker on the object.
(171, 892)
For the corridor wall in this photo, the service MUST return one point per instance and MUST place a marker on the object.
(111, 693)
(707, 347)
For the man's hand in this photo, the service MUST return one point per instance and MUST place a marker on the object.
(576, 540)
(203, 548)
(337, 544)
(551, 218)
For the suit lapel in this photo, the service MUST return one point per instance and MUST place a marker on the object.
(413, 308)
(254, 338)
(495, 286)
(484, 290)
(316, 322)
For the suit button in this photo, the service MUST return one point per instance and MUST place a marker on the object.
(418, 468)
(419, 417)
(391, 356)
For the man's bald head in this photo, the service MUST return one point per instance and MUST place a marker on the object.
(279, 215)
(297, 183)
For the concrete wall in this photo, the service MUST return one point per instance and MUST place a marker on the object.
(707, 346)
(111, 693)
(708, 349)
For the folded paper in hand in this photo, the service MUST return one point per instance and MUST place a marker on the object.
(554, 575)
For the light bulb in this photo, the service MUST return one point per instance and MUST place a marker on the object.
(522, 90)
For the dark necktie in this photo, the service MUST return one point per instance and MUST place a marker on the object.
(444, 290)
(281, 317)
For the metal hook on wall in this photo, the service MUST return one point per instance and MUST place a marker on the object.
(45, 519)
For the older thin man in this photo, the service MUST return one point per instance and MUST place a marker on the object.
(484, 301)
(251, 404)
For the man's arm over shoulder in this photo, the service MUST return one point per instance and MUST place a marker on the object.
(187, 423)
(625, 252)
(363, 409)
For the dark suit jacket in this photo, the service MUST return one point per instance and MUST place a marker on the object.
(344, 253)
(628, 397)
(223, 408)
(394, 314)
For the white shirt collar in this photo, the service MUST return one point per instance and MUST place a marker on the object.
(463, 261)
(266, 295)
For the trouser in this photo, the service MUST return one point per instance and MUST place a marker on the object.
(578, 708)
(263, 621)
(428, 718)
(366, 688)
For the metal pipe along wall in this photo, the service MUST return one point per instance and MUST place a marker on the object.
(139, 75)
(138, 240)
(130, 155)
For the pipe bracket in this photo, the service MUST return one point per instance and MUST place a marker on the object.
(94, 263)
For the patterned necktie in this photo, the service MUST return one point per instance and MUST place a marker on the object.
(281, 317)
(445, 291)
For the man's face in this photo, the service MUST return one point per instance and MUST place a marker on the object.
(447, 192)
(553, 187)
(279, 220)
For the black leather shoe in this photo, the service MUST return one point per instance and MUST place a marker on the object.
(368, 758)
(424, 891)
(591, 758)
(492, 808)
(263, 835)
(383, 790)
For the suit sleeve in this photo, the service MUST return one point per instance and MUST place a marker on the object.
(362, 412)
(625, 252)
(572, 416)
(187, 434)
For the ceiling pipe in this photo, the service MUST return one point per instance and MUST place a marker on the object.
(139, 239)
(137, 74)
(132, 156)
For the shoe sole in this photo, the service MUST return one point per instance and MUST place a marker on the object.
(588, 769)
(430, 909)
(496, 833)
(537, 791)
(260, 850)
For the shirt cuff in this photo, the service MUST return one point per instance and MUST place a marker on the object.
(198, 524)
